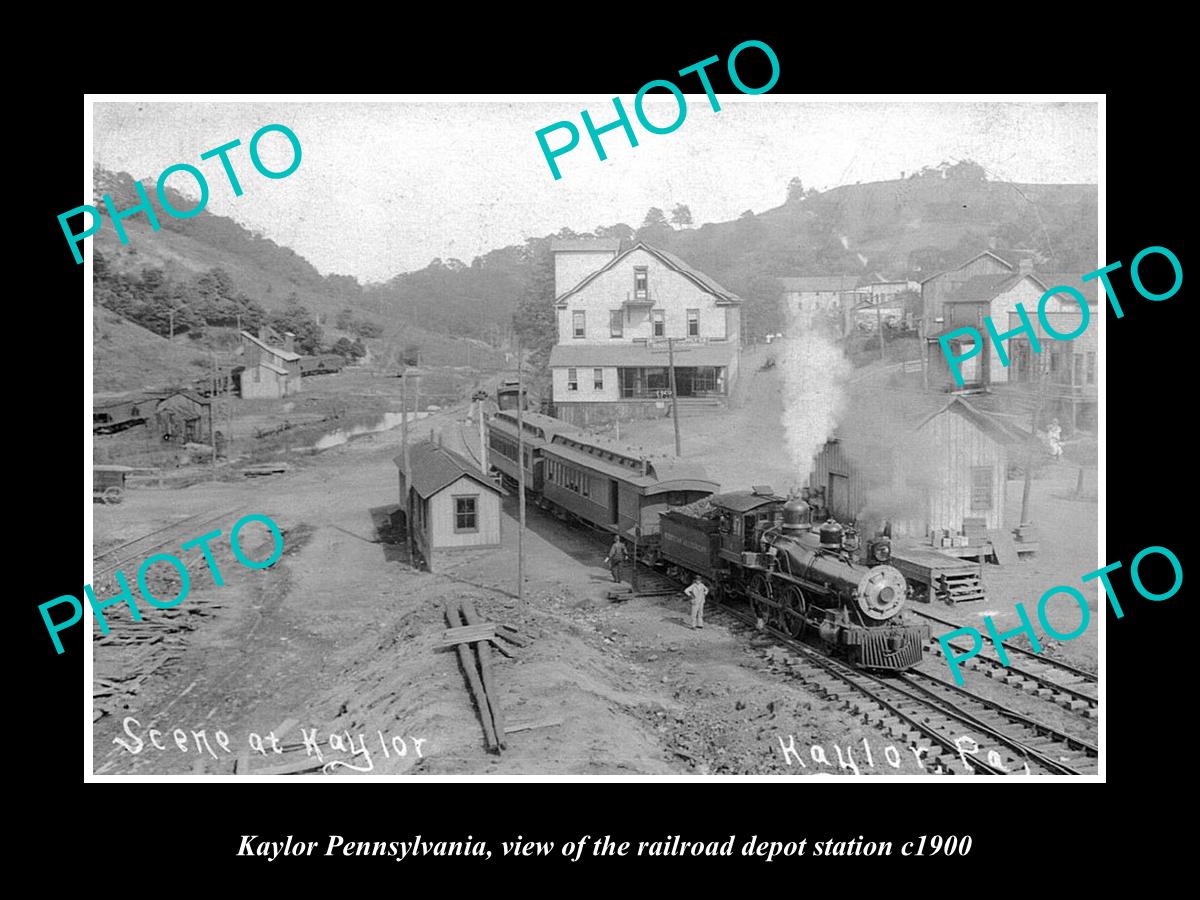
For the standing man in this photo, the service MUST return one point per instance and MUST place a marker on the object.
(616, 556)
(697, 591)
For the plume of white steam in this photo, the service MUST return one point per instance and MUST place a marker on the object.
(813, 369)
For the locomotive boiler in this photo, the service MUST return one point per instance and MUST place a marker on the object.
(808, 580)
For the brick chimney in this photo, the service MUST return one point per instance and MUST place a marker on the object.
(289, 342)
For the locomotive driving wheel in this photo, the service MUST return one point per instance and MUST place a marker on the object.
(761, 586)
(792, 610)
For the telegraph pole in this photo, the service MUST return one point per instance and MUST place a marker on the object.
(483, 450)
(407, 470)
(1033, 420)
(674, 402)
(520, 473)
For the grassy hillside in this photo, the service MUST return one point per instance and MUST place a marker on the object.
(915, 226)
(123, 354)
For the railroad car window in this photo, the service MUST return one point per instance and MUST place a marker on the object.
(579, 320)
(981, 487)
(616, 323)
(693, 322)
(465, 516)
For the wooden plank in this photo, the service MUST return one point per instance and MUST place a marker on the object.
(468, 634)
(529, 726)
(466, 659)
(483, 650)
(513, 636)
(505, 649)
(1004, 547)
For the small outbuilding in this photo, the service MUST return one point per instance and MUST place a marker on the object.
(453, 505)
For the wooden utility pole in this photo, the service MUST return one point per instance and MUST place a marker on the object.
(674, 399)
(483, 450)
(1033, 420)
(520, 473)
(407, 470)
(924, 345)
(212, 401)
(879, 324)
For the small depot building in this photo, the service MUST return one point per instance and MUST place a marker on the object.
(454, 507)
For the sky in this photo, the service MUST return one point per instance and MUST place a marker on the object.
(384, 188)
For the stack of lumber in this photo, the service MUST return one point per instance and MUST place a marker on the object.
(474, 639)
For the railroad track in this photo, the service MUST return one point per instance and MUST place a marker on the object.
(140, 547)
(959, 731)
(1052, 679)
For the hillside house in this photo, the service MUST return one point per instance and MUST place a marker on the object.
(616, 313)
(1070, 368)
(454, 507)
(997, 296)
(269, 372)
(183, 417)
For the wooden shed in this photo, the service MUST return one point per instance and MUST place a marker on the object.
(964, 463)
(184, 416)
(454, 507)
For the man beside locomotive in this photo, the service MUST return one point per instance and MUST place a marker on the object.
(616, 556)
(697, 591)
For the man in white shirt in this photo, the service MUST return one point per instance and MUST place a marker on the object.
(698, 592)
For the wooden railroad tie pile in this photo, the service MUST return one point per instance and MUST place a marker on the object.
(474, 639)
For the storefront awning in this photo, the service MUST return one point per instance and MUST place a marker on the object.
(641, 355)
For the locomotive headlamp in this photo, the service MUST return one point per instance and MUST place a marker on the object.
(882, 551)
(881, 592)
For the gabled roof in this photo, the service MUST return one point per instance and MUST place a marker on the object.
(588, 245)
(671, 261)
(983, 288)
(809, 284)
(989, 425)
(1006, 258)
(435, 468)
(278, 351)
(1087, 288)
(184, 392)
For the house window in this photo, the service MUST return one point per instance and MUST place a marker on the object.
(616, 323)
(598, 379)
(981, 487)
(1091, 367)
(579, 328)
(693, 322)
(1079, 361)
(640, 290)
(466, 517)
(657, 318)
(572, 379)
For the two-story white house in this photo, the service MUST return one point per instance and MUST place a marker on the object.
(616, 313)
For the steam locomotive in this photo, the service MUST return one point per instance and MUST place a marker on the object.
(805, 579)
(800, 577)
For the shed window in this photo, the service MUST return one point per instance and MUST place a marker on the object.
(579, 324)
(466, 516)
(981, 487)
